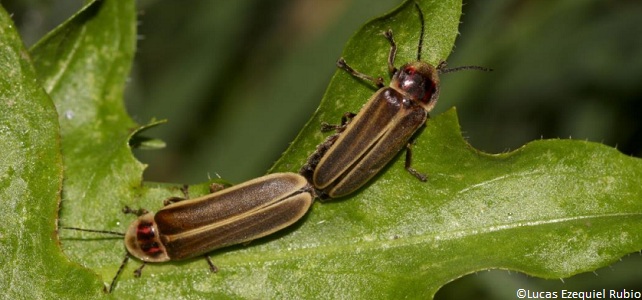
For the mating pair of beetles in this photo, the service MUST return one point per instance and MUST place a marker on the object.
(360, 147)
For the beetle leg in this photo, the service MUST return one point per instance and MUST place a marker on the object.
(215, 187)
(120, 270)
(393, 51)
(171, 200)
(345, 119)
(139, 271)
(325, 127)
(138, 212)
(184, 189)
(213, 268)
(307, 170)
(409, 167)
(341, 63)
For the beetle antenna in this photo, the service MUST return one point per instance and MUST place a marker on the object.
(122, 265)
(94, 230)
(445, 70)
(421, 36)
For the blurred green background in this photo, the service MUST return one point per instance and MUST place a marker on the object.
(238, 79)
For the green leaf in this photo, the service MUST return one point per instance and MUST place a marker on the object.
(31, 264)
(83, 65)
(550, 209)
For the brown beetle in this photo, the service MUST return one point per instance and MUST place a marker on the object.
(364, 143)
(194, 227)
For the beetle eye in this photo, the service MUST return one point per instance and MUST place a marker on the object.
(410, 70)
(429, 90)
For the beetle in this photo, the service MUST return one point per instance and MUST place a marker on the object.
(364, 143)
(190, 228)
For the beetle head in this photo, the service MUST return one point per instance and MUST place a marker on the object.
(143, 242)
(418, 81)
